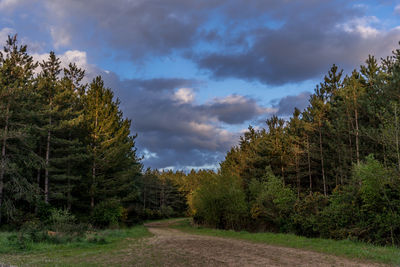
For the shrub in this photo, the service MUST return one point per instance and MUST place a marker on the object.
(220, 203)
(339, 219)
(166, 211)
(379, 207)
(107, 213)
(61, 221)
(307, 214)
(272, 202)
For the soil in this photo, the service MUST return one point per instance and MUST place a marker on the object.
(177, 248)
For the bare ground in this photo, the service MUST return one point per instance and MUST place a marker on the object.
(182, 249)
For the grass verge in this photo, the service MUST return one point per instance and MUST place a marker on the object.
(343, 248)
(83, 253)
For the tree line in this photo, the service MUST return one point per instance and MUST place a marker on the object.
(332, 170)
(65, 144)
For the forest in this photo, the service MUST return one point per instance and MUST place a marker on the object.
(67, 152)
(68, 159)
(331, 171)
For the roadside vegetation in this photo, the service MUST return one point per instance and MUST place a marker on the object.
(89, 250)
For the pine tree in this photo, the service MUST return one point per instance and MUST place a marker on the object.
(68, 150)
(49, 86)
(113, 157)
(17, 157)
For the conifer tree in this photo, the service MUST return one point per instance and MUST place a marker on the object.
(48, 86)
(113, 157)
(17, 157)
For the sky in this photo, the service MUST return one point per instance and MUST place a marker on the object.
(192, 75)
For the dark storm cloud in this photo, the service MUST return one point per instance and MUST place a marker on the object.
(285, 106)
(304, 47)
(160, 84)
(234, 109)
(139, 27)
(271, 41)
(176, 131)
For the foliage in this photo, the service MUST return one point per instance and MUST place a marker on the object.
(220, 202)
(272, 202)
(107, 213)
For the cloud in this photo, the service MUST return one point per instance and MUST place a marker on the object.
(285, 106)
(72, 56)
(184, 96)
(361, 26)
(274, 42)
(4, 33)
(61, 37)
(139, 27)
(173, 129)
(10, 4)
(301, 50)
(235, 109)
(163, 84)
(397, 9)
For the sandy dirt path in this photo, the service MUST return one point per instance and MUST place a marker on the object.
(177, 248)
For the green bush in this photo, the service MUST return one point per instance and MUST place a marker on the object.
(339, 219)
(166, 211)
(61, 221)
(220, 202)
(107, 213)
(43, 211)
(272, 203)
(368, 209)
(380, 202)
(307, 214)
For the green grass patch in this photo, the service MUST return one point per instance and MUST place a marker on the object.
(165, 220)
(344, 248)
(90, 251)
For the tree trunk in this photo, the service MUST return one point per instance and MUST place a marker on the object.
(309, 164)
(93, 184)
(69, 179)
(94, 158)
(349, 123)
(297, 172)
(46, 170)
(322, 157)
(357, 134)
(397, 136)
(340, 168)
(3, 159)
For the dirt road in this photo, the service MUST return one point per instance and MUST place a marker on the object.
(176, 248)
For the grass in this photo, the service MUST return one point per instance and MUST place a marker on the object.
(343, 248)
(83, 253)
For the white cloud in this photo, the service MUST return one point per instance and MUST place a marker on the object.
(184, 95)
(362, 26)
(73, 56)
(148, 154)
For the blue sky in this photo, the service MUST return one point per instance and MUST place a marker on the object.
(192, 75)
